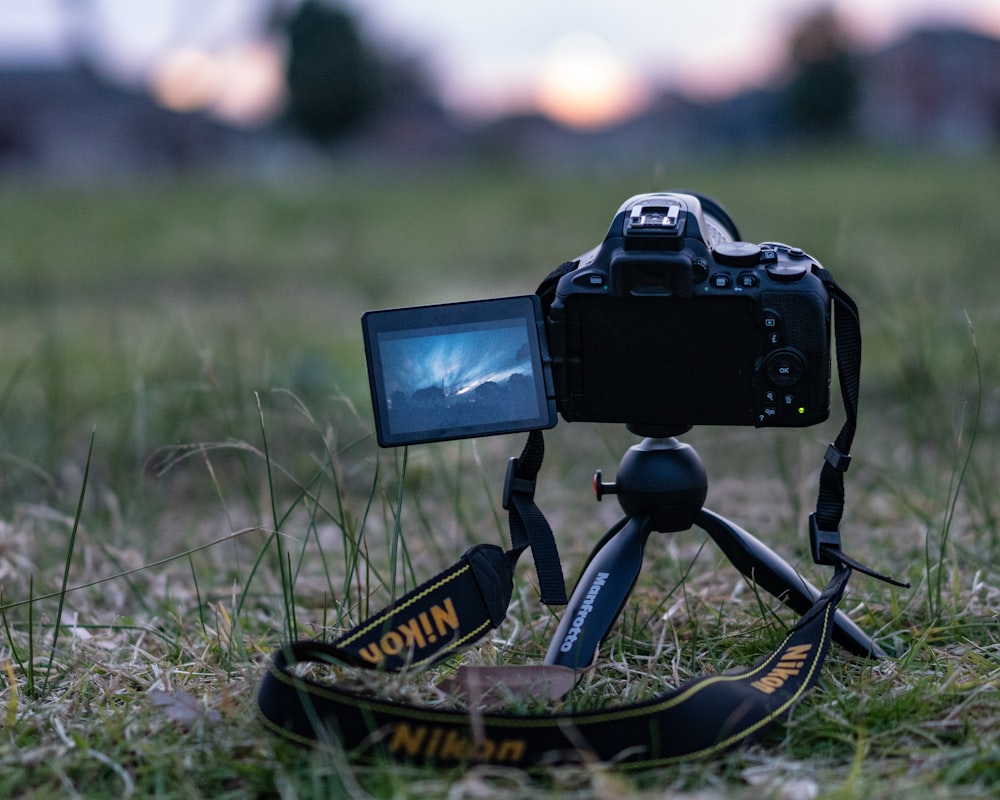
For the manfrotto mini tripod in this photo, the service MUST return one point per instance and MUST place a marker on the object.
(661, 486)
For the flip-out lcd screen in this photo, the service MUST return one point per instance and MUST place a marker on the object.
(458, 370)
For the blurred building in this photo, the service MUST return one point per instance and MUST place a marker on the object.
(936, 88)
(67, 123)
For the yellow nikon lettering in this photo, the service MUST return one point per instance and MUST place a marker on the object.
(454, 747)
(445, 617)
(790, 665)
(433, 742)
(415, 633)
(392, 643)
(446, 744)
(407, 740)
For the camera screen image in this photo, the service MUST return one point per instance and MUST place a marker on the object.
(457, 370)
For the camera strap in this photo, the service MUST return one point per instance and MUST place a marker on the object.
(824, 523)
(704, 717)
(460, 605)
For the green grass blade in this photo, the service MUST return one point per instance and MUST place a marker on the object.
(68, 563)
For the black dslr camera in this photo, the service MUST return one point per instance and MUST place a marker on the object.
(674, 321)
(670, 322)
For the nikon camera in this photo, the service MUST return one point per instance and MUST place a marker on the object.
(670, 322)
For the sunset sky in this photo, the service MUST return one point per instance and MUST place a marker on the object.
(585, 62)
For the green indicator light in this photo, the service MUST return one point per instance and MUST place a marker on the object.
(802, 410)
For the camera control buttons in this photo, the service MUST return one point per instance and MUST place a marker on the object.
(786, 272)
(737, 254)
(774, 334)
(774, 398)
(777, 405)
(721, 281)
(784, 367)
(785, 264)
(590, 280)
(747, 280)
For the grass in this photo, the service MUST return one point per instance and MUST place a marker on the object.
(185, 435)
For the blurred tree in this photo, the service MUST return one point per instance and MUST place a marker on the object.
(333, 75)
(824, 88)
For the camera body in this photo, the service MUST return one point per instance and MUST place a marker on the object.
(672, 322)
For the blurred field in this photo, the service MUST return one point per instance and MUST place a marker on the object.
(224, 315)
(150, 310)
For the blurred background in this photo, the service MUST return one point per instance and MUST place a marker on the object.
(99, 88)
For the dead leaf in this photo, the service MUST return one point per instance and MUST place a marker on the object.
(492, 687)
(181, 707)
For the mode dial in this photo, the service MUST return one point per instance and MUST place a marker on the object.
(737, 254)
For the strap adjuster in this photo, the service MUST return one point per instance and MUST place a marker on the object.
(820, 540)
(839, 461)
(512, 484)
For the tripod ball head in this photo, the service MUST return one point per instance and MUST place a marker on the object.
(659, 478)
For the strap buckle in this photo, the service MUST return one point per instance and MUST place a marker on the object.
(821, 540)
(839, 461)
(512, 484)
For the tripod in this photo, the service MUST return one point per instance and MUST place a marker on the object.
(661, 486)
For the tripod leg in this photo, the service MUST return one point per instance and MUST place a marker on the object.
(600, 595)
(772, 573)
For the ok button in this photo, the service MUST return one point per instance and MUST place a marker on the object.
(785, 367)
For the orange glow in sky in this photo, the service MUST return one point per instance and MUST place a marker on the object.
(585, 85)
(242, 85)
